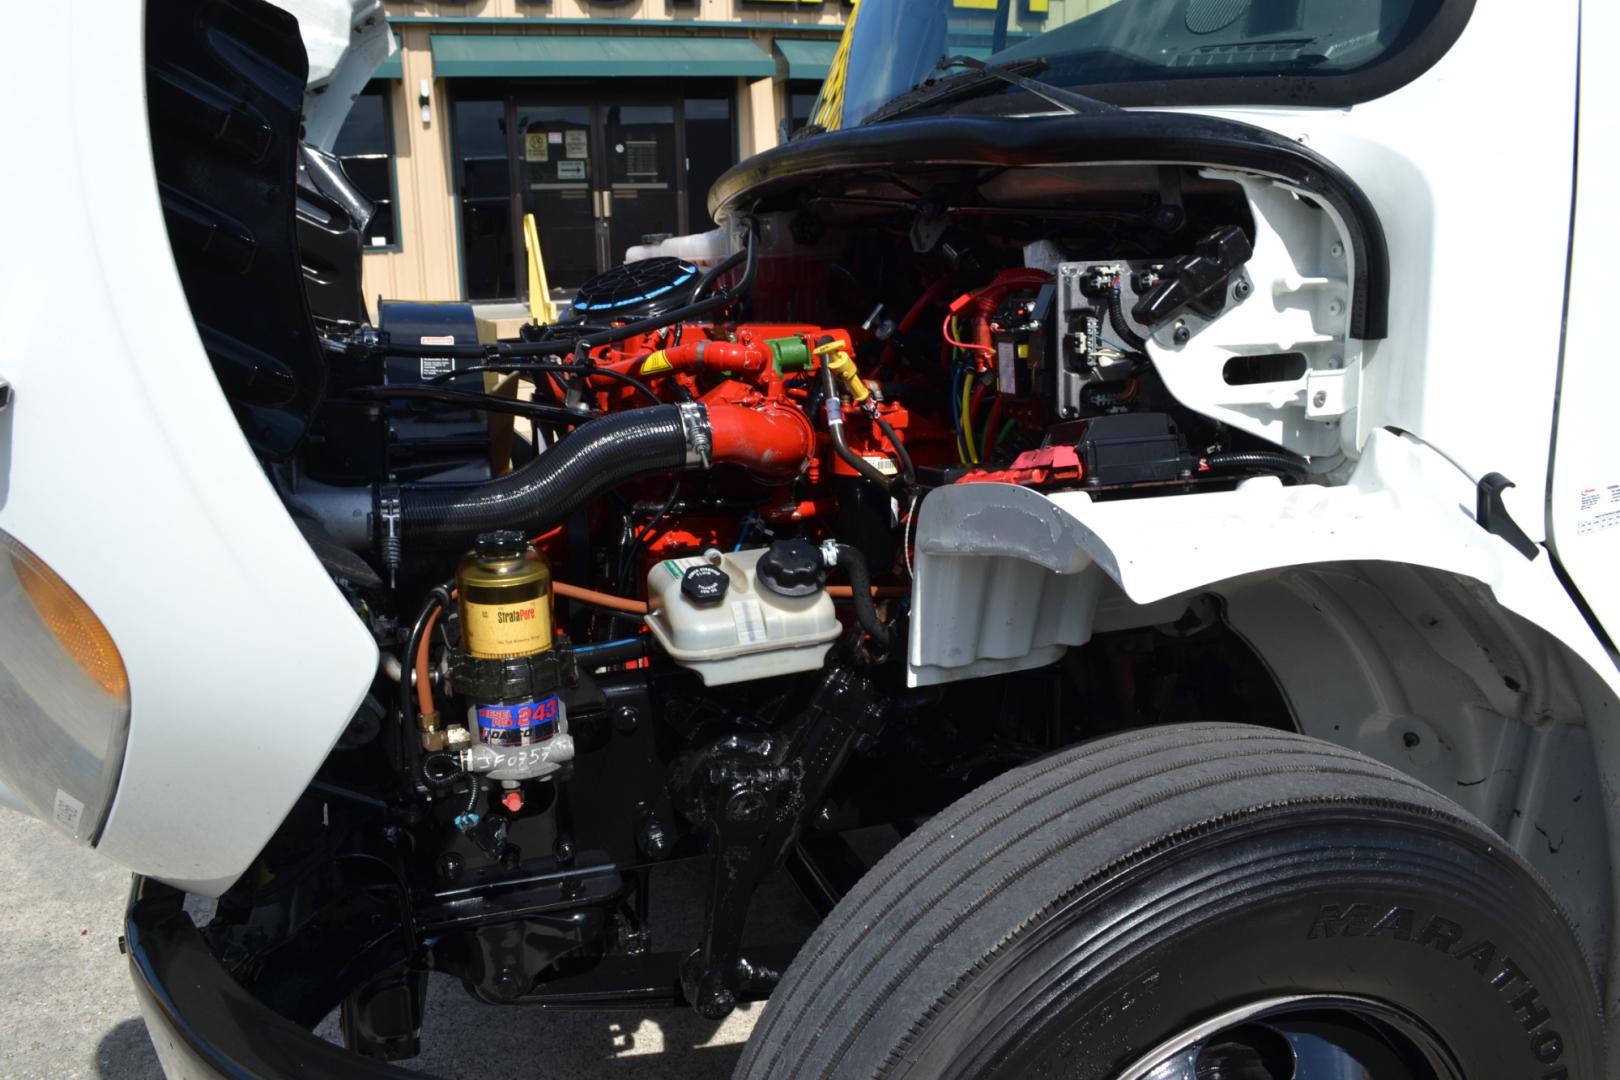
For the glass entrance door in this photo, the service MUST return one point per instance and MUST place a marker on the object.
(600, 167)
(597, 178)
(642, 197)
(558, 185)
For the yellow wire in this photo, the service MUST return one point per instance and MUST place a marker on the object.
(967, 420)
(961, 445)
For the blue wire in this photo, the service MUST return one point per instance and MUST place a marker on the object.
(956, 411)
(742, 533)
(587, 650)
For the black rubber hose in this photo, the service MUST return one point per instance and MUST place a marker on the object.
(714, 273)
(1271, 461)
(535, 410)
(589, 460)
(860, 585)
(835, 428)
(520, 368)
(1116, 315)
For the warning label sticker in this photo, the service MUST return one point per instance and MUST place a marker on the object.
(1600, 509)
(68, 812)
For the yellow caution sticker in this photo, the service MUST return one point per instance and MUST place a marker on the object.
(655, 364)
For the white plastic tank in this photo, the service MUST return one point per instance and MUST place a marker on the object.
(738, 630)
(702, 250)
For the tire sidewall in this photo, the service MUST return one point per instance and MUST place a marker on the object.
(1405, 909)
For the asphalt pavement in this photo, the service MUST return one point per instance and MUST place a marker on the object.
(68, 1012)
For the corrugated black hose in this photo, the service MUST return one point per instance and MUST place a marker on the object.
(588, 461)
(1271, 461)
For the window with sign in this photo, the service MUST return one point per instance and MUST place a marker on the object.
(365, 146)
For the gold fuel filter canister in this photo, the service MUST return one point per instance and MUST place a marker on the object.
(503, 590)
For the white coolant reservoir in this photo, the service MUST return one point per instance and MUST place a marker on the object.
(713, 614)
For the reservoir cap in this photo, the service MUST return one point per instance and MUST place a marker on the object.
(792, 568)
(705, 584)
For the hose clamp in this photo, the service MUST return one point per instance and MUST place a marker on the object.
(389, 512)
(829, 552)
(699, 435)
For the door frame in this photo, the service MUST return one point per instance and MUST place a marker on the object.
(557, 92)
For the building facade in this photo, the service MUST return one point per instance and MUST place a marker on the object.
(606, 120)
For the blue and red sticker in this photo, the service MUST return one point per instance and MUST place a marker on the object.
(519, 724)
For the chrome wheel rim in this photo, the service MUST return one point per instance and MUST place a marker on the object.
(1302, 1037)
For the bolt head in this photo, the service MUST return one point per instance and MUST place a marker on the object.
(626, 718)
(1319, 399)
(508, 986)
(450, 866)
(652, 839)
(1242, 289)
(746, 807)
(1181, 335)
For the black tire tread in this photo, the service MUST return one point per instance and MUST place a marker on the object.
(1122, 799)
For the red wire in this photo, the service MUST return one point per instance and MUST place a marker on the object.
(945, 332)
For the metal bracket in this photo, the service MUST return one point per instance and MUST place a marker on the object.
(755, 793)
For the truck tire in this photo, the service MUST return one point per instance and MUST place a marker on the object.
(1192, 901)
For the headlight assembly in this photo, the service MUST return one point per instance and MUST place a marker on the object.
(64, 697)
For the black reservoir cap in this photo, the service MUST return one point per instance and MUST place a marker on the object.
(792, 568)
(705, 584)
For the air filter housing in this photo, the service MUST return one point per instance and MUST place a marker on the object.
(637, 290)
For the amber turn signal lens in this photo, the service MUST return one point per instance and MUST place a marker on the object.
(71, 622)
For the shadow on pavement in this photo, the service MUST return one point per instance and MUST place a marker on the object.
(125, 1053)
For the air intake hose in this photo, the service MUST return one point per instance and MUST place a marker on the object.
(591, 459)
(773, 441)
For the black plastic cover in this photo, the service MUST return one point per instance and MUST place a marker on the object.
(332, 214)
(1196, 281)
(515, 678)
(424, 438)
(636, 290)
(225, 92)
(1128, 448)
(203, 1023)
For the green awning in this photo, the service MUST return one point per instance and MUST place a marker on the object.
(807, 59)
(391, 68)
(504, 56)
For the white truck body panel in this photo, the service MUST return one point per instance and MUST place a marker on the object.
(122, 466)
